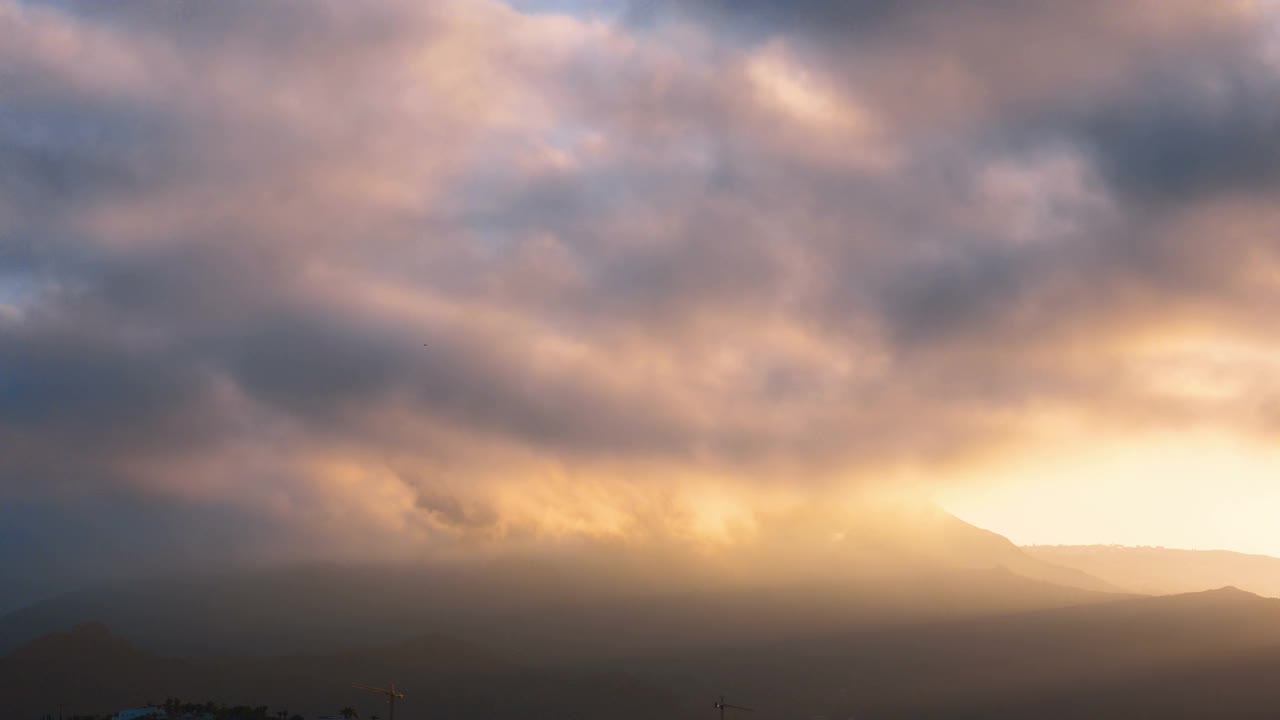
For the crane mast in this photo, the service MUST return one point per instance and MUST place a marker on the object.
(391, 693)
(721, 705)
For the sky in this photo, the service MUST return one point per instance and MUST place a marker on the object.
(328, 280)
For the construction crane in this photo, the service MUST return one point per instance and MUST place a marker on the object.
(391, 693)
(722, 706)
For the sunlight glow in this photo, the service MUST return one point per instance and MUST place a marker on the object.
(1198, 491)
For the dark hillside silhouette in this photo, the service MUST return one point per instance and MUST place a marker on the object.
(1211, 654)
(1104, 657)
(90, 671)
(602, 602)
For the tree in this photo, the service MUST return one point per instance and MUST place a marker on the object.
(349, 713)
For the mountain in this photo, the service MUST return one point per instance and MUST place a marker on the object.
(1211, 654)
(1162, 571)
(295, 612)
(1097, 661)
(89, 671)
(948, 540)
(897, 564)
(1241, 686)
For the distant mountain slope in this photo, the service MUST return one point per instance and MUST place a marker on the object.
(899, 564)
(87, 670)
(1098, 661)
(1160, 571)
(90, 671)
(1207, 655)
(310, 613)
(955, 542)
(1240, 686)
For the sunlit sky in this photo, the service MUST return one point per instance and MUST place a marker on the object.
(1196, 490)
(332, 280)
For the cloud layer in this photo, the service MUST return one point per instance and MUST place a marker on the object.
(320, 278)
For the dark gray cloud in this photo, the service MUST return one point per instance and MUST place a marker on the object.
(49, 545)
(1208, 131)
(761, 18)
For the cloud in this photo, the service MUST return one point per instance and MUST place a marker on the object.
(1205, 132)
(450, 273)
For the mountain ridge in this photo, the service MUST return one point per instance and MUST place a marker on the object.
(868, 571)
(1109, 658)
(1161, 571)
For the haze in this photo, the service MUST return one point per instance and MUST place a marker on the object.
(657, 298)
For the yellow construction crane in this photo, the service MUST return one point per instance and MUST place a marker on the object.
(391, 693)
